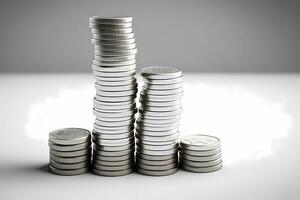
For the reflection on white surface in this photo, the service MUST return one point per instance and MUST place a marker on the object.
(247, 124)
(71, 107)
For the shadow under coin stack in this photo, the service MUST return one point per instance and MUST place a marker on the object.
(157, 126)
(114, 104)
(70, 151)
(200, 153)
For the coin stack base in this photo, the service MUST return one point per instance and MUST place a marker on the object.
(70, 151)
(200, 153)
(114, 68)
(157, 126)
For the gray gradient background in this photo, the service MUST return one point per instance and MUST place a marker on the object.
(199, 36)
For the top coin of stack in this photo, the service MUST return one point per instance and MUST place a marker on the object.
(157, 125)
(200, 153)
(70, 151)
(114, 69)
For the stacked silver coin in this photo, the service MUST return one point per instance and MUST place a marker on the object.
(114, 69)
(70, 151)
(157, 125)
(200, 153)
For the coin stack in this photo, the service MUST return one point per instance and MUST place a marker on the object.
(70, 151)
(114, 69)
(157, 126)
(200, 153)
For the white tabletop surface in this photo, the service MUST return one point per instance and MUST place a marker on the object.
(257, 118)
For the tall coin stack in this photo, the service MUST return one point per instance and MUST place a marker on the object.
(200, 153)
(70, 151)
(114, 69)
(157, 126)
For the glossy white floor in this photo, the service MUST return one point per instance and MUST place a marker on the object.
(257, 118)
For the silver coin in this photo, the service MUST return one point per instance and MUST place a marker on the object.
(161, 114)
(70, 153)
(113, 163)
(156, 142)
(79, 165)
(163, 87)
(201, 164)
(200, 153)
(159, 122)
(157, 167)
(114, 74)
(116, 88)
(112, 168)
(112, 30)
(163, 81)
(114, 142)
(155, 133)
(157, 153)
(69, 136)
(70, 160)
(200, 142)
(114, 69)
(100, 152)
(115, 79)
(129, 106)
(115, 99)
(157, 136)
(114, 136)
(117, 119)
(112, 173)
(157, 173)
(113, 129)
(110, 20)
(114, 148)
(161, 72)
(113, 63)
(116, 53)
(109, 26)
(201, 158)
(112, 42)
(148, 102)
(114, 58)
(116, 93)
(161, 109)
(111, 47)
(114, 124)
(202, 169)
(156, 162)
(110, 36)
(114, 158)
(156, 147)
(157, 158)
(68, 172)
(162, 92)
(69, 147)
(114, 83)
(99, 102)
(141, 125)
(114, 114)
(147, 97)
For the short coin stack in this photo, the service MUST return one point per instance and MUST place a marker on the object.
(157, 126)
(114, 69)
(200, 153)
(70, 151)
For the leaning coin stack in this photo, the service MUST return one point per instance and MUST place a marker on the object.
(200, 153)
(70, 151)
(157, 126)
(114, 69)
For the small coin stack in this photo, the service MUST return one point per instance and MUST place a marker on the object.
(157, 126)
(114, 69)
(200, 153)
(70, 151)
